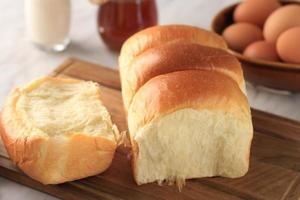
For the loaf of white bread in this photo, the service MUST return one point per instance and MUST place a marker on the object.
(188, 114)
(58, 130)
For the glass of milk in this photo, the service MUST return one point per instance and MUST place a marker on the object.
(48, 23)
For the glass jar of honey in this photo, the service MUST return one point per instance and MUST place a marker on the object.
(119, 19)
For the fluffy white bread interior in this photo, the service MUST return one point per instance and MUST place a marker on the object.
(192, 144)
(189, 124)
(58, 130)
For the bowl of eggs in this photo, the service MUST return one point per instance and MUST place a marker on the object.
(265, 37)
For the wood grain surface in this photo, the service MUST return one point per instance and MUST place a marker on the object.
(274, 168)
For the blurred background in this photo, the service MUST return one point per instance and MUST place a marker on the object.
(20, 61)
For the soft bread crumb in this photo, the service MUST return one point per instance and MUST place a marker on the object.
(190, 144)
(124, 139)
(58, 130)
(54, 107)
(179, 182)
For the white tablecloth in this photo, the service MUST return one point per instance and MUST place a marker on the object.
(20, 61)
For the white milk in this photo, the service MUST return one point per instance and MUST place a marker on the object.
(48, 23)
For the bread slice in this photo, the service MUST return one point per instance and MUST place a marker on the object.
(58, 130)
(189, 124)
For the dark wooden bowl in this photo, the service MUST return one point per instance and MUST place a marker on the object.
(277, 75)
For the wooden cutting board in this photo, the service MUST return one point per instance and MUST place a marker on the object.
(274, 169)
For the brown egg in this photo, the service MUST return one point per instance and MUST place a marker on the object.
(262, 50)
(238, 36)
(255, 11)
(280, 20)
(288, 45)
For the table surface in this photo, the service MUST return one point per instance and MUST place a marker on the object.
(20, 61)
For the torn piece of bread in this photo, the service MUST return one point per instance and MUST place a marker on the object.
(58, 130)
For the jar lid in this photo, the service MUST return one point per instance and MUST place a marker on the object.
(98, 2)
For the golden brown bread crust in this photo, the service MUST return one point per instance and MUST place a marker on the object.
(159, 35)
(39, 157)
(194, 89)
(134, 155)
(177, 56)
(52, 159)
(168, 78)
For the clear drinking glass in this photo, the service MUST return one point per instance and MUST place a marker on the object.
(48, 23)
